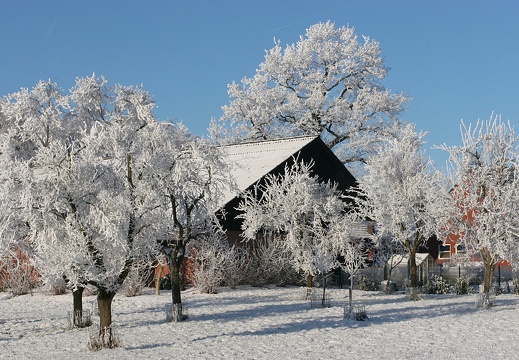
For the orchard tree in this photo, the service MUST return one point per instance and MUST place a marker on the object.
(190, 176)
(403, 195)
(354, 229)
(308, 212)
(328, 83)
(484, 170)
(86, 197)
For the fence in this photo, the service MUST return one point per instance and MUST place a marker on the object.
(475, 273)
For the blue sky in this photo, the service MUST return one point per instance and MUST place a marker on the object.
(456, 59)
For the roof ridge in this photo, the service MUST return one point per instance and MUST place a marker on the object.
(255, 142)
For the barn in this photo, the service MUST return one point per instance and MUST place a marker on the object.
(251, 162)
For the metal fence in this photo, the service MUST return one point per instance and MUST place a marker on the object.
(475, 274)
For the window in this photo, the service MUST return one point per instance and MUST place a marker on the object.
(444, 252)
(461, 249)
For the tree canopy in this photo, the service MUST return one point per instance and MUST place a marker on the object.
(328, 83)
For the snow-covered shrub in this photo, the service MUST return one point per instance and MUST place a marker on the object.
(367, 284)
(56, 286)
(236, 266)
(134, 283)
(437, 285)
(515, 283)
(270, 264)
(463, 286)
(215, 262)
(388, 288)
(17, 276)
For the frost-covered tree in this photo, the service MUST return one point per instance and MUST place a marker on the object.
(306, 211)
(328, 83)
(484, 171)
(123, 213)
(190, 175)
(31, 121)
(354, 252)
(86, 196)
(403, 195)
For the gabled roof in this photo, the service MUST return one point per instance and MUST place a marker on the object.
(403, 259)
(249, 162)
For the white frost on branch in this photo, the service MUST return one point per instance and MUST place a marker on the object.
(401, 192)
(485, 174)
(328, 84)
(309, 213)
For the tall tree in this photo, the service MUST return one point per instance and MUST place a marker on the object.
(403, 195)
(328, 83)
(123, 212)
(485, 171)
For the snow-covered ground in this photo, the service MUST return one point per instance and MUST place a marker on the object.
(267, 323)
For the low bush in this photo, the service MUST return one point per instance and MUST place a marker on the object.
(367, 284)
(463, 286)
(269, 263)
(515, 283)
(436, 285)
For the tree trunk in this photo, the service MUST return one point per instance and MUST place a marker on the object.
(487, 284)
(176, 286)
(350, 294)
(77, 296)
(413, 276)
(158, 275)
(104, 301)
(388, 282)
(309, 284)
(323, 301)
(175, 283)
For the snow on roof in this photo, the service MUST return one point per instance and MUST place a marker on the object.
(361, 230)
(397, 259)
(249, 162)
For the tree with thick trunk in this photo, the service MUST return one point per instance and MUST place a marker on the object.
(87, 161)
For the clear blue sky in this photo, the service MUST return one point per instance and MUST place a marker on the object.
(456, 59)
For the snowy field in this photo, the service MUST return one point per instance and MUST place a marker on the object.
(267, 323)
